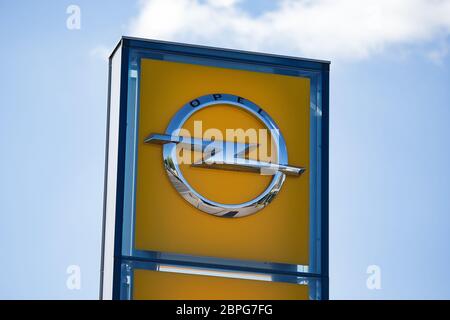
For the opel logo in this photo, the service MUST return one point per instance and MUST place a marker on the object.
(224, 155)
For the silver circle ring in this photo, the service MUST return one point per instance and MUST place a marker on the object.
(191, 195)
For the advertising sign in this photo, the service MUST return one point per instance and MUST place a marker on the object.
(216, 182)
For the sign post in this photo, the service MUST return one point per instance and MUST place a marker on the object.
(216, 179)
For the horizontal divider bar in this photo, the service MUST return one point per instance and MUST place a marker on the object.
(222, 267)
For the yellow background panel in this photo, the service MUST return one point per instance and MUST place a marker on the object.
(154, 285)
(166, 222)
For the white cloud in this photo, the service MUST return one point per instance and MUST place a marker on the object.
(223, 3)
(437, 55)
(322, 28)
(100, 52)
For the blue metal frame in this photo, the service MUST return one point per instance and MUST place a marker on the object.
(125, 256)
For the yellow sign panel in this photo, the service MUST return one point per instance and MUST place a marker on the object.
(166, 222)
(155, 285)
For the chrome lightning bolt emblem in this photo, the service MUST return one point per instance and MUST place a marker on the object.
(223, 155)
(216, 155)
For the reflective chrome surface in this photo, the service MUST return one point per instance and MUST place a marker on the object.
(219, 158)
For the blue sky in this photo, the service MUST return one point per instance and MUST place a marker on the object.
(389, 155)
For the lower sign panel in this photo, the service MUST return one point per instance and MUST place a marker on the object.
(175, 285)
